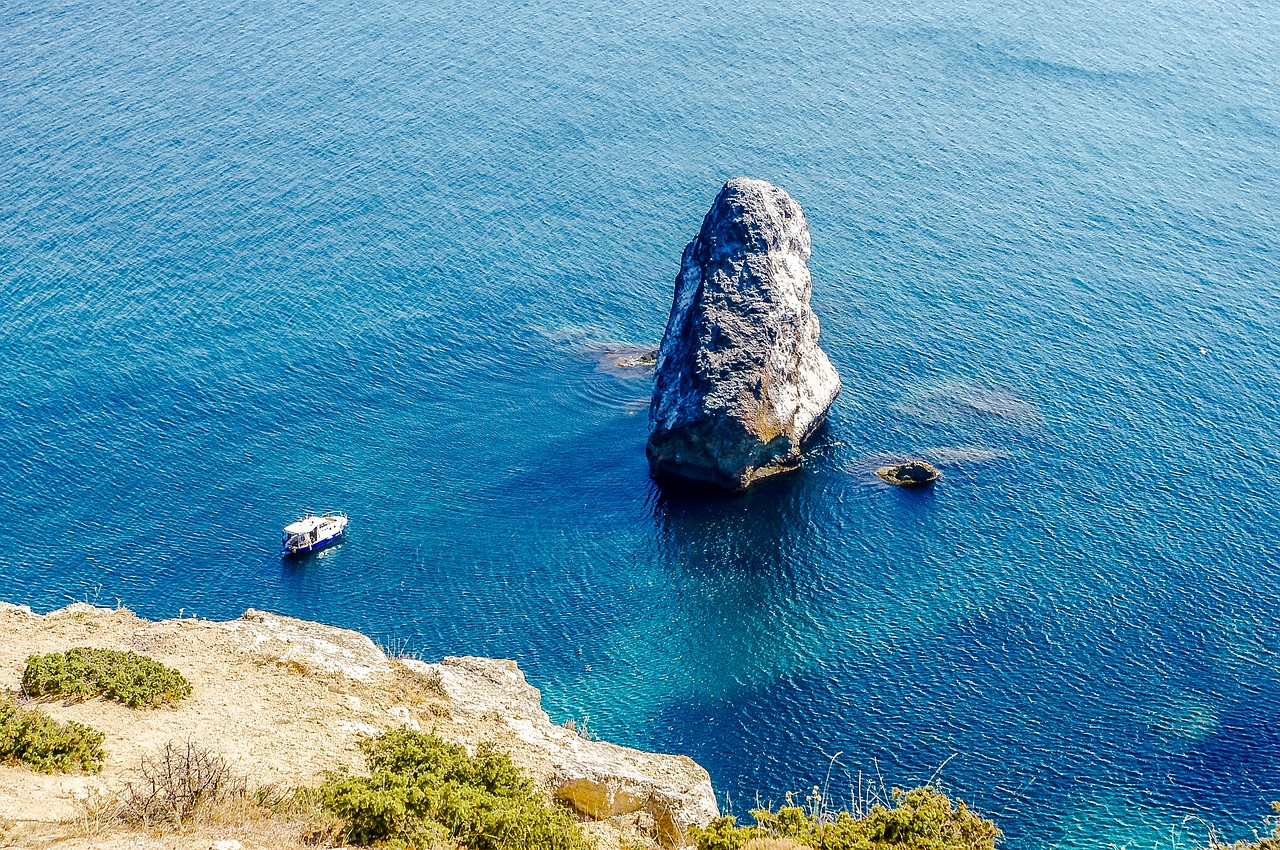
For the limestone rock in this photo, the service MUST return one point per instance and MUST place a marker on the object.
(328, 649)
(607, 786)
(290, 722)
(740, 382)
(597, 778)
(914, 473)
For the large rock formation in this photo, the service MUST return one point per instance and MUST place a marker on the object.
(741, 382)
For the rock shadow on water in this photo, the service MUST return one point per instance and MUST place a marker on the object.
(743, 570)
(739, 576)
(735, 562)
(706, 531)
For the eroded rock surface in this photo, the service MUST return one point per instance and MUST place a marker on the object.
(599, 779)
(913, 473)
(325, 648)
(740, 382)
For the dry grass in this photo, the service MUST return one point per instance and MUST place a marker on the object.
(176, 783)
(421, 690)
(267, 817)
(773, 844)
(97, 811)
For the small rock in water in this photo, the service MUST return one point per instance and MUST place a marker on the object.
(913, 473)
(639, 361)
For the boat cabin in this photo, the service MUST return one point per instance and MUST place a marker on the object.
(312, 532)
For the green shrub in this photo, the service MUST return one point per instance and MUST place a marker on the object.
(83, 673)
(425, 791)
(920, 819)
(40, 741)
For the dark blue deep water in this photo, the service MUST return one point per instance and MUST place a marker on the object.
(262, 257)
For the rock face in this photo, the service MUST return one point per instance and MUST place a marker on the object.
(597, 778)
(740, 382)
(286, 701)
(325, 648)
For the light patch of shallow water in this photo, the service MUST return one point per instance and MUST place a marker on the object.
(941, 456)
(1189, 718)
(951, 455)
(1121, 824)
(960, 402)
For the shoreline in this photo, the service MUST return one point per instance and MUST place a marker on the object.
(287, 700)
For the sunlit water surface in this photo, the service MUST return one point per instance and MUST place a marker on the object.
(262, 257)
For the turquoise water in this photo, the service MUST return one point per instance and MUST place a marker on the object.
(258, 258)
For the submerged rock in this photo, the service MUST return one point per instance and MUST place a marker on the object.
(622, 358)
(740, 382)
(914, 473)
(644, 360)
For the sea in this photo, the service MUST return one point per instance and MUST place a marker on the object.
(262, 258)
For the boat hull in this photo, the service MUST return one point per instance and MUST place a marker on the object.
(304, 548)
(313, 532)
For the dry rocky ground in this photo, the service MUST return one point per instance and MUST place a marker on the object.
(285, 701)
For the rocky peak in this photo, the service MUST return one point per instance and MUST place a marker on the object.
(740, 381)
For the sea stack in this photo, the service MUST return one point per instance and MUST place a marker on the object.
(740, 381)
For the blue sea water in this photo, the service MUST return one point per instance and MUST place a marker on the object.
(261, 257)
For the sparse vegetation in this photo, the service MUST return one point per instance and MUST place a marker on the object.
(175, 784)
(581, 729)
(424, 792)
(433, 683)
(920, 819)
(84, 673)
(420, 687)
(30, 737)
(96, 811)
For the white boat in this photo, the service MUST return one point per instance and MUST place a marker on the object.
(313, 532)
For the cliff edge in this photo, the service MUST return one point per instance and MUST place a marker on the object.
(287, 700)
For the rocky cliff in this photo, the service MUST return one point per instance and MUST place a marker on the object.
(287, 700)
(740, 381)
